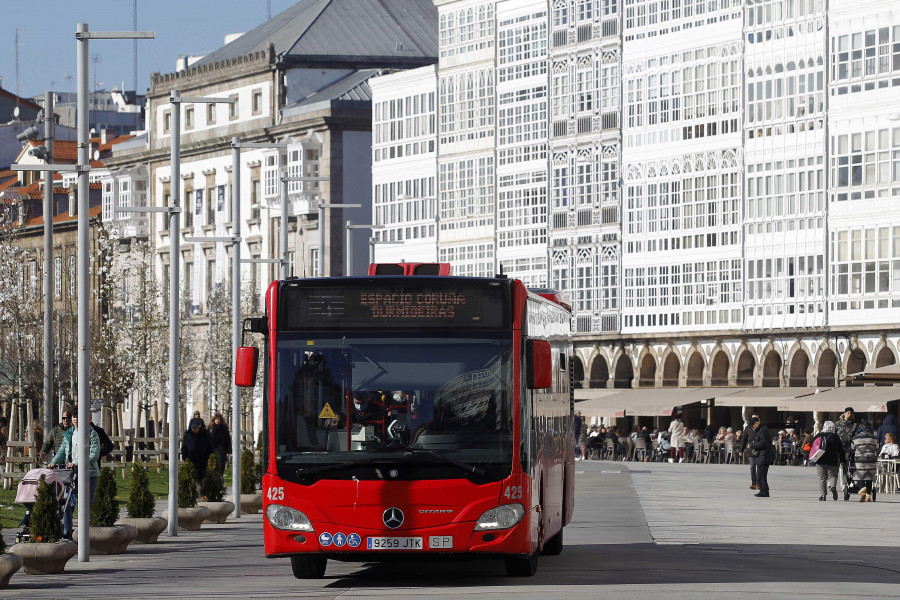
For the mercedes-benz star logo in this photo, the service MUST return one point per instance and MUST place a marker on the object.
(393, 518)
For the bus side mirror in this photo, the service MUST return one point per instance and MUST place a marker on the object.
(539, 359)
(245, 367)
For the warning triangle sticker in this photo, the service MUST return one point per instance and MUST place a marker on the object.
(327, 413)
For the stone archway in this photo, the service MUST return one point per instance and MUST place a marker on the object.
(599, 373)
(671, 370)
(695, 370)
(647, 375)
(624, 372)
(771, 370)
(799, 367)
(746, 366)
(856, 363)
(578, 376)
(718, 369)
(825, 373)
(885, 357)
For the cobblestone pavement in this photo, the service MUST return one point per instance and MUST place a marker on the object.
(641, 530)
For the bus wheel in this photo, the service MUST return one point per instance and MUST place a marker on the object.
(308, 567)
(522, 566)
(554, 546)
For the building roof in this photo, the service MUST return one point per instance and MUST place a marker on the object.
(344, 33)
(27, 109)
(353, 87)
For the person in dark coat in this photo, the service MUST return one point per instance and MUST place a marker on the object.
(220, 438)
(764, 455)
(195, 446)
(889, 426)
(827, 465)
(746, 439)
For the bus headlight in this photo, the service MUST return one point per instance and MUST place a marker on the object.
(502, 517)
(285, 517)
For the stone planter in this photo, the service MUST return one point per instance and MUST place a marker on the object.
(190, 519)
(251, 504)
(148, 530)
(9, 564)
(45, 559)
(218, 511)
(110, 540)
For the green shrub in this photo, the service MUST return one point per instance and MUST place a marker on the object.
(105, 509)
(140, 501)
(212, 488)
(187, 485)
(46, 526)
(248, 473)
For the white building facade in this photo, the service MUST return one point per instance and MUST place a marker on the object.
(715, 184)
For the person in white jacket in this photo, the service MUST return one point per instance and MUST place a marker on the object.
(676, 437)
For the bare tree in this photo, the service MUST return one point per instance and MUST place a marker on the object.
(21, 374)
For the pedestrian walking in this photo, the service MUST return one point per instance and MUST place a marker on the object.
(747, 453)
(220, 438)
(196, 447)
(845, 428)
(864, 447)
(763, 455)
(54, 438)
(676, 438)
(68, 456)
(827, 464)
(579, 423)
(888, 427)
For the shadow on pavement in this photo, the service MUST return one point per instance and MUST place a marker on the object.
(650, 564)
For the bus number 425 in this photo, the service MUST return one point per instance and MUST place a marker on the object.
(276, 493)
(513, 492)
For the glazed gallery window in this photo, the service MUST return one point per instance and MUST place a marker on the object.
(863, 164)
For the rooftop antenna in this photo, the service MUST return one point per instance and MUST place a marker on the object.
(137, 115)
(95, 59)
(268, 10)
(18, 29)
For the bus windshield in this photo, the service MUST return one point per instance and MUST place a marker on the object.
(349, 405)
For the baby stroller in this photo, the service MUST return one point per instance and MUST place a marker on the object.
(662, 449)
(853, 487)
(61, 481)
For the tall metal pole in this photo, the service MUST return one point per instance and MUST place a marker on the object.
(174, 309)
(348, 250)
(49, 132)
(235, 324)
(83, 274)
(321, 237)
(285, 266)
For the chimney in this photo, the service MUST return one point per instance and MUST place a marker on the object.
(103, 136)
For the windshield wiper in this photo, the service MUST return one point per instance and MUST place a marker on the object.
(303, 472)
(473, 469)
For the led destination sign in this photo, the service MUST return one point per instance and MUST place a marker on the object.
(414, 305)
(471, 304)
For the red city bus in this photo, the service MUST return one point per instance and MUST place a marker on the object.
(427, 416)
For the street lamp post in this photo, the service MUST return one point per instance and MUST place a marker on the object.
(49, 132)
(348, 258)
(82, 35)
(236, 262)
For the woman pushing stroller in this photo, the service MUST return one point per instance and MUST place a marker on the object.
(68, 456)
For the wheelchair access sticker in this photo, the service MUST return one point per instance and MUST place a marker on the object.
(353, 540)
(325, 539)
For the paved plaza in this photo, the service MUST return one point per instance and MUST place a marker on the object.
(641, 530)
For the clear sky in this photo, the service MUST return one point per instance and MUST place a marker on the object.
(47, 38)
